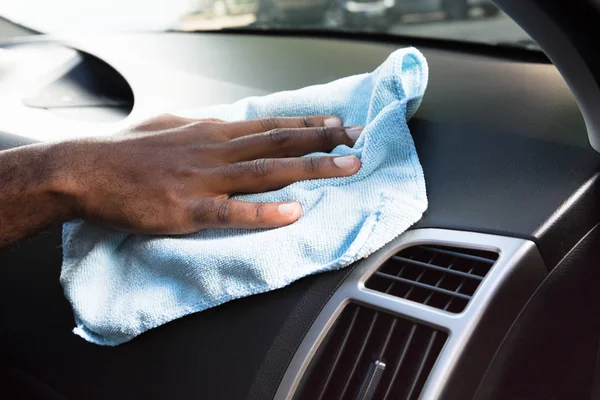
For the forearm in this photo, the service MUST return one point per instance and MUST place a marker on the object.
(32, 179)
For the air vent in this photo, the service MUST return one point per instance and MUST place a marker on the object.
(440, 277)
(372, 355)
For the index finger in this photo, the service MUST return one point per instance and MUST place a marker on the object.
(251, 127)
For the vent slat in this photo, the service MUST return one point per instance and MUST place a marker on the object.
(437, 284)
(360, 354)
(435, 267)
(390, 332)
(388, 337)
(421, 368)
(423, 285)
(449, 303)
(460, 255)
(362, 338)
(339, 353)
(434, 275)
(400, 361)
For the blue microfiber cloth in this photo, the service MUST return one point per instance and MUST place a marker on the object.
(121, 285)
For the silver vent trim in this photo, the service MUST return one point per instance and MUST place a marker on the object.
(516, 256)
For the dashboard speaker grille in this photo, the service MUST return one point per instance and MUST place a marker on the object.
(440, 277)
(370, 354)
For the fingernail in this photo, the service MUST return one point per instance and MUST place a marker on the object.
(354, 132)
(347, 162)
(288, 209)
(332, 122)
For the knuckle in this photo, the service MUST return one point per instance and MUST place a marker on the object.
(308, 122)
(259, 211)
(268, 123)
(168, 117)
(325, 134)
(261, 167)
(222, 131)
(156, 122)
(311, 164)
(209, 131)
(223, 212)
(213, 120)
(278, 136)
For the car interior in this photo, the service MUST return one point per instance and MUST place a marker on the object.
(493, 294)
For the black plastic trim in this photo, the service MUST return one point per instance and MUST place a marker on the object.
(565, 30)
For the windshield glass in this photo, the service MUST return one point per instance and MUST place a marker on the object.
(464, 20)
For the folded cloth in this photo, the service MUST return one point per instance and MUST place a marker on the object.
(121, 285)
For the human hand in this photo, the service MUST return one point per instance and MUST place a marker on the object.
(173, 175)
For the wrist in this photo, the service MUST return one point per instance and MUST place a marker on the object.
(60, 183)
(37, 186)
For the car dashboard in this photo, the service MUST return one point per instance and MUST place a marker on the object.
(440, 312)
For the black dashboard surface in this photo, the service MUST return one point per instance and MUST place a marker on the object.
(501, 141)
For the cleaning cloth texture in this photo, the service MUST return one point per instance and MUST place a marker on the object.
(121, 285)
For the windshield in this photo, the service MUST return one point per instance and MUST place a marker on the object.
(464, 20)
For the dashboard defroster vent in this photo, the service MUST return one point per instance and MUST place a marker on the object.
(440, 277)
(372, 355)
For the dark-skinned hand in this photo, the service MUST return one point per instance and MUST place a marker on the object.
(170, 175)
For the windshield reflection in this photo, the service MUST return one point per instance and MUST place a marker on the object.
(470, 20)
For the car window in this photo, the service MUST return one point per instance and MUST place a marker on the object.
(464, 20)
